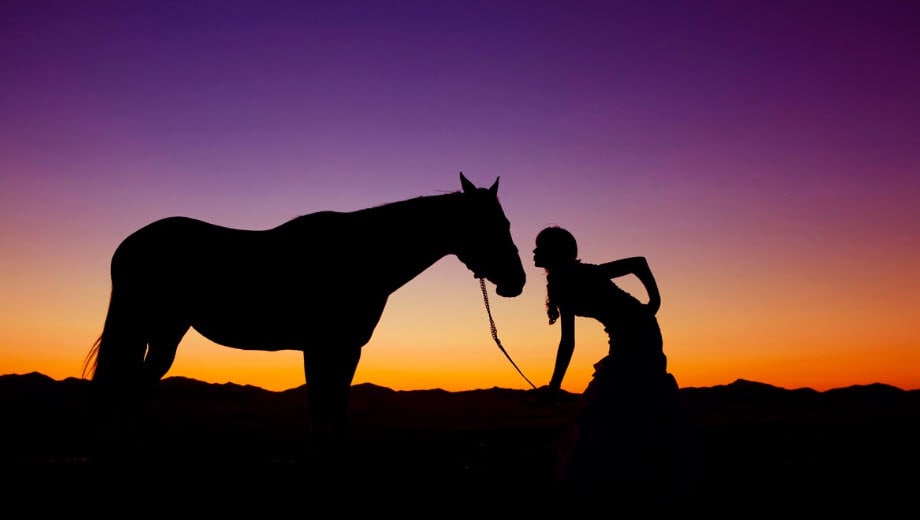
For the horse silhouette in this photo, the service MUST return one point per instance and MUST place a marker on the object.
(317, 284)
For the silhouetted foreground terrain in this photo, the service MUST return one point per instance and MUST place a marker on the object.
(214, 446)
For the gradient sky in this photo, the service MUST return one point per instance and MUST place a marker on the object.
(764, 157)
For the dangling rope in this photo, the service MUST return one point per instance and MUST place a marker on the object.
(485, 298)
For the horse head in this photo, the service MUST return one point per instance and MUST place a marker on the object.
(485, 245)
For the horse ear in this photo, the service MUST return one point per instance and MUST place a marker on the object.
(494, 187)
(467, 185)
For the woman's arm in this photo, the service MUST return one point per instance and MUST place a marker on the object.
(637, 266)
(565, 350)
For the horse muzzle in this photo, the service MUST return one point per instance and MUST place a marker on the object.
(511, 288)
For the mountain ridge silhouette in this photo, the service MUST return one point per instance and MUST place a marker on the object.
(760, 443)
(739, 383)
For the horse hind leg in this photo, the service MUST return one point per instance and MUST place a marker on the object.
(119, 352)
(137, 431)
(116, 375)
(161, 350)
(136, 349)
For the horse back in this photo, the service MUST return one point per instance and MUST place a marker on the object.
(233, 285)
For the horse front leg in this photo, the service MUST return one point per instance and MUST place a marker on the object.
(329, 372)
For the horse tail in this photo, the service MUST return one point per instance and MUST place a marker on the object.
(117, 355)
(92, 357)
(89, 362)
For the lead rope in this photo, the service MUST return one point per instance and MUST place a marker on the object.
(485, 298)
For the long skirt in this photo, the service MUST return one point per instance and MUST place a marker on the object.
(633, 439)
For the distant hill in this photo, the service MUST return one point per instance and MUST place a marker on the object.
(759, 442)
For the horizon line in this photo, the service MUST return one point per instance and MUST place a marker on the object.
(738, 381)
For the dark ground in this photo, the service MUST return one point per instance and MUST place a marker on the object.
(228, 449)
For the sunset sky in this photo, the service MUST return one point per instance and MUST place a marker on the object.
(763, 156)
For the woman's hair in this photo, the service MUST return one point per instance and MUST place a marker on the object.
(552, 308)
(558, 243)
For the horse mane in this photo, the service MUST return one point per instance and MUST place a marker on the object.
(413, 203)
(399, 207)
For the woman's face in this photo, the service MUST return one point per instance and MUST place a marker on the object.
(554, 247)
(543, 255)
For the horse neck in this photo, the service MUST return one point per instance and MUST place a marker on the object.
(412, 235)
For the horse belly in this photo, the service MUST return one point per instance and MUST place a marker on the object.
(251, 325)
(287, 329)
(250, 336)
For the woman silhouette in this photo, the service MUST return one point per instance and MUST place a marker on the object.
(631, 438)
